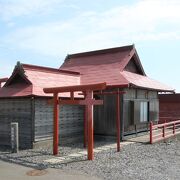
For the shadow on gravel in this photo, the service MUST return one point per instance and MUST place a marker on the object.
(135, 141)
(38, 166)
(24, 163)
(70, 162)
(33, 158)
(21, 160)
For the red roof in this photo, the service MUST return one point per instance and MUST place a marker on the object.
(116, 66)
(99, 66)
(16, 90)
(38, 78)
(109, 66)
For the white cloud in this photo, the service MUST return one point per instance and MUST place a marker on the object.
(157, 36)
(10, 8)
(141, 21)
(144, 16)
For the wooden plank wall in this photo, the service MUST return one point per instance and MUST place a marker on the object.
(16, 110)
(105, 115)
(5, 138)
(38, 126)
(70, 121)
(131, 120)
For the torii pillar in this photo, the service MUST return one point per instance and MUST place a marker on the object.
(89, 124)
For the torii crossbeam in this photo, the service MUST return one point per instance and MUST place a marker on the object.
(88, 101)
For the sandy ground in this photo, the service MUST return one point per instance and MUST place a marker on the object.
(13, 171)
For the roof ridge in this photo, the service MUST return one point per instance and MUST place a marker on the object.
(101, 51)
(47, 69)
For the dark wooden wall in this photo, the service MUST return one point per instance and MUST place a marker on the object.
(35, 118)
(131, 114)
(70, 121)
(16, 110)
(105, 115)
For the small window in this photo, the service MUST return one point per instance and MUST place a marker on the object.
(143, 111)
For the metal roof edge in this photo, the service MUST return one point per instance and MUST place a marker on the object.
(159, 90)
(48, 69)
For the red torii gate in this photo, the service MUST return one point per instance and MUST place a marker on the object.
(88, 101)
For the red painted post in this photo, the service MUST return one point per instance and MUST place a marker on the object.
(85, 125)
(118, 121)
(163, 131)
(56, 124)
(151, 132)
(72, 95)
(174, 128)
(90, 127)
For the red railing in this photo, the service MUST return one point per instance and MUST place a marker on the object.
(163, 131)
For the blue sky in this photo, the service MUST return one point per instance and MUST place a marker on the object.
(43, 32)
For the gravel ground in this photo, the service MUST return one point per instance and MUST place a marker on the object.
(135, 161)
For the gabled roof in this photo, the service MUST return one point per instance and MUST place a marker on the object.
(109, 65)
(106, 57)
(102, 65)
(34, 78)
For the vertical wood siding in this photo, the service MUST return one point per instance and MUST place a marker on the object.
(70, 121)
(16, 110)
(105, 116)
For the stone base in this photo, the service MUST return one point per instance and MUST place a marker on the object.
(45, 143)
